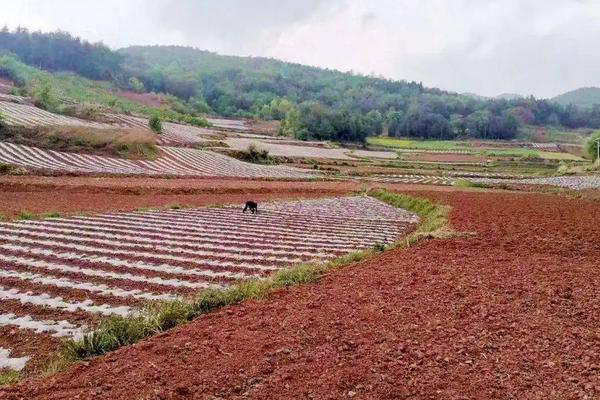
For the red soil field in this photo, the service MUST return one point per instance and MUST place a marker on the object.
(38, 194)
(511, 312)
(147, 99)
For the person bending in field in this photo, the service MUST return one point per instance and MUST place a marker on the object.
(252, 206)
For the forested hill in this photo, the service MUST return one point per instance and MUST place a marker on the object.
(582, 97)
(311, 102)
(330, 103)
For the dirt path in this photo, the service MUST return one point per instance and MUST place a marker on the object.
(511, 313)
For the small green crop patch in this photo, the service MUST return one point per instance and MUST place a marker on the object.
(463, 183)
(8, 377)
(551, 155)
(26, 215)
(398, 143)
(513, 153)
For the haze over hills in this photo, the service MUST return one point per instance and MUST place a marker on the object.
(582, 97)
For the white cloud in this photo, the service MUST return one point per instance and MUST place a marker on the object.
(542, 47)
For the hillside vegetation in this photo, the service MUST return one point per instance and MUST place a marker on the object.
(582, 97)
(311, 103)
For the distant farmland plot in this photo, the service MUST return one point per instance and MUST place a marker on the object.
(416, 144)
(173, 134)
(175, 161)
(283, 148)
(59, 276)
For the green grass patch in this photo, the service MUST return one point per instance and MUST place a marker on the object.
(8, 377)
(26, 215)
(433, 216)
(51, 214)
(115, 332)
(463, 183)
(398, 143)
(514, 153)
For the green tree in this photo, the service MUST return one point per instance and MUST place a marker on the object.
(44, 97)
(155, 123)
(592, 145)
(374, 122)
(135, 84)
(290, 125)
(393, 120)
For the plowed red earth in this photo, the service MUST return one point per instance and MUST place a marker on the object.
(511, 313)
(86, 194)
(147, 99)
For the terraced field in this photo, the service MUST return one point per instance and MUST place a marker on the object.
(29, 116)
(59, 276)
(298, 149)
(411, 178)
(570, 182)
(176, 161)
(173, 134)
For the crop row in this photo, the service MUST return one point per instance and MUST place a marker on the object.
(59, 276)
(411, 178)
(173, 161)
(173, 134)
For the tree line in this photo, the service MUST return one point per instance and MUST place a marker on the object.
(312, 103)
(59, 50)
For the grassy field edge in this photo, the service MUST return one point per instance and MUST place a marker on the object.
(115, 332)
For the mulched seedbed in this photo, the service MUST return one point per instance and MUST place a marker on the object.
(510, 313)
(72, 195)
(442, 157)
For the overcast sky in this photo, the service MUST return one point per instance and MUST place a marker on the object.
(489, 47)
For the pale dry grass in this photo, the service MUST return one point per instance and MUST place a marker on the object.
(131, 143)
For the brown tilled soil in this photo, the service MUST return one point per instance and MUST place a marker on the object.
(511, 313)
(39, 194)
(147, 99)
(5, 85)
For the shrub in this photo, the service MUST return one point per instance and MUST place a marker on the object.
(197, 121)
(135, 84)
(592, 144)
(255, 155)
(379, 247)
(51, 214)
(5, 169)
(155, 123)
(43, 97)
(25, 215)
